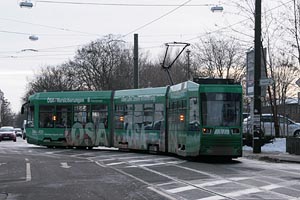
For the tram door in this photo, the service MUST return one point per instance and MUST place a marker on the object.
(100, 124)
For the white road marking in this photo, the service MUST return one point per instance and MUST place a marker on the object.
(232, 194)
(65, 165)
(117, 163)
(270, 187)
(181, 189)
(108, 159)
(145, 160)
(212, 183)
(213, 198)
(153, 164)
(242, 192)
(28, 172)
(162, 194)
(239, 178)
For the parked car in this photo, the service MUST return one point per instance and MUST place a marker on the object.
(8, 133)
(287, 127)
(18, 132)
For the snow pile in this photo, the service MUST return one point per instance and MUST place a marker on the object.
(278, 145)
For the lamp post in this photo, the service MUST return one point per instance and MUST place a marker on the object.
(1, 96)
(256, 129)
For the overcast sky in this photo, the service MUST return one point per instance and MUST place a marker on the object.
(64, 27)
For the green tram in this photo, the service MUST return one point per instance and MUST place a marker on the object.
(80, 119)
(188, 119)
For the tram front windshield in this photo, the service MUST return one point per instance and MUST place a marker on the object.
(221, 109)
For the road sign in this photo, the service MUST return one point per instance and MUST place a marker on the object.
(267, 81)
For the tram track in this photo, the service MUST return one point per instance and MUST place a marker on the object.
(250, 189)
(157, 189)
(131, 160)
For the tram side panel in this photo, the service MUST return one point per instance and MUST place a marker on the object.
(183, 119)
(139, 119)
(76, 119)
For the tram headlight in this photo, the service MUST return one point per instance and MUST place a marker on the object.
(207, 130)
(181, 118)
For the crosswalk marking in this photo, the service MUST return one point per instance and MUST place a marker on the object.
(239, 178)
(242, 192)
(212, 183)
(213, 198)
(181, 189)
(117, 163)
(270, 187)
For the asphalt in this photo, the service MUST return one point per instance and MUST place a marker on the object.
(272, 156)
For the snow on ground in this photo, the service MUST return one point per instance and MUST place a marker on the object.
(278, 145)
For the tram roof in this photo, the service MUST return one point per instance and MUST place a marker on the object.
(142, 94)
(188, 85)
(67, 96)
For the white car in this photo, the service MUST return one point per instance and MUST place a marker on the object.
(287, 127)
(18, 132)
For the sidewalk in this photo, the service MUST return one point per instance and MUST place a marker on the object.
(273, 152)
(272, 156)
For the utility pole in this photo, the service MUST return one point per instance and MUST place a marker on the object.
(1, 97)
(256, 129)
(188, 64)
(136, 62)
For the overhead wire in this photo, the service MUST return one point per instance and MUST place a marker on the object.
(51, 27)
(160, 17)
(121, 4)
(136, 29)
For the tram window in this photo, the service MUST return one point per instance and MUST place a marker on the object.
(30, 117)
(119, 116)
(148, 109)
(63, 116)
(221, 109)
(81, 114)
(46, 117)
(183, 103)
(138, 116)
(194, 124)
(159, 107)
(100, 115)
(148, 115)
(158, 117)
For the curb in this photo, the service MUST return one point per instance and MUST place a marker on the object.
(275, 158)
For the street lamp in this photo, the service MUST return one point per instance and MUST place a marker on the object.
(33, 37)
(26, 4)
(217, 8)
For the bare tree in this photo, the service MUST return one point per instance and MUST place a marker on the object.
(98, 62)
(7, 116)
(219, 57)
(292, 26)
(52, 78)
